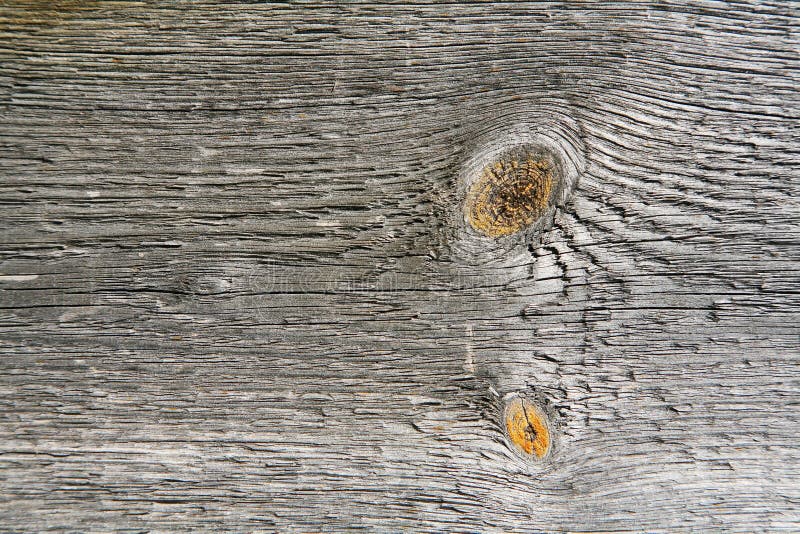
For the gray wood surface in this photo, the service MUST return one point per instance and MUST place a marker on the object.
(238, 292)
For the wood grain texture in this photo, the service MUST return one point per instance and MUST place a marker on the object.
(238, 292)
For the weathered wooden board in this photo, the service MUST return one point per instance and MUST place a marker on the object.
(238, 292)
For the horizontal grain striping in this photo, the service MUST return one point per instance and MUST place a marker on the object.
(192, 355)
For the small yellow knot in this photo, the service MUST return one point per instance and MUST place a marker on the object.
(527, 429)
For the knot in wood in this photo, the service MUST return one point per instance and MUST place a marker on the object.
(527, 428)
(510, 194)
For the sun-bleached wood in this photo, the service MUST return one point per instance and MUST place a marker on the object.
(238, 292)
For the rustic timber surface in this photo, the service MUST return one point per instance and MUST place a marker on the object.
(238, 292)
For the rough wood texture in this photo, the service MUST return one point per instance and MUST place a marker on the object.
(238, 292)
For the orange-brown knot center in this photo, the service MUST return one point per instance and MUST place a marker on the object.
(509, 195)
(527, 429)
